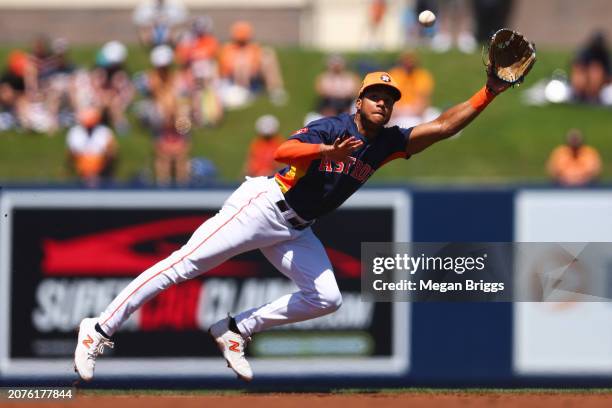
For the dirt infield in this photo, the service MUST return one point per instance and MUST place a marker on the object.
(353, 400)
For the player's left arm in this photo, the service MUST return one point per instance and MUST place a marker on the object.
(454, 119)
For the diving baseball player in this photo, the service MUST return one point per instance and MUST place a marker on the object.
(327, 161)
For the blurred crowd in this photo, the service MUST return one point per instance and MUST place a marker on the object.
(337, 86)
(590, 72)
(192, 79)
(460, 24)
(586, 80)
(464, 24)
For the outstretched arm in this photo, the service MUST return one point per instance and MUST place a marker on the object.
(293, 150)
(456, 118)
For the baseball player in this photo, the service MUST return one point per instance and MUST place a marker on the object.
(327, 161)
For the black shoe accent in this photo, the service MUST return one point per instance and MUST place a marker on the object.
(233, 326)
(99, 330)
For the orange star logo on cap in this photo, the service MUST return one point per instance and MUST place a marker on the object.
(380, 78)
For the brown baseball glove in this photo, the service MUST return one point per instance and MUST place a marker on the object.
(509, 56)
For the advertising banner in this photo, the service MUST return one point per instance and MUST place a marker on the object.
(568, 336)
(64, 255)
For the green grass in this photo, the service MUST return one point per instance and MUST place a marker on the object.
(509, 143)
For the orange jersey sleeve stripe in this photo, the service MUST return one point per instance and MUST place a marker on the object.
(294, 151)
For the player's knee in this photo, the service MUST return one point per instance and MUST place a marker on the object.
(324, 297)
(330, 299)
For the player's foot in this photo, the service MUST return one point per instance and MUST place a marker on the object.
(232, 347)
(90, 344)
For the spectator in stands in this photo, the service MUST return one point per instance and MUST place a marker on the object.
(260, 158)
(158, 21)
(47, 84)
(249, 66)
(199, 43)
(22, 87)
(82, 91)
(490, 16)
(8, 116)
(336, 87)
(590, 70)
(59, 83)
(455, 24)
(376, 13)
(13, 100)
(60, 49)
(574, 164)
(417, 86)
(112, 86)
(43, 62)
(92, 148)
(196, 54)
(170, 119)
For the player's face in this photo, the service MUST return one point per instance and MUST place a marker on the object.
(376, 105)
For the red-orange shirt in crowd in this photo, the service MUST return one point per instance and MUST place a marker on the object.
(200, 48)
(244, 55)
(377, 11)
(260, 160)
(574, 167)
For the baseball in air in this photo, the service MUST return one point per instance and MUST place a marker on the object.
(427, 18)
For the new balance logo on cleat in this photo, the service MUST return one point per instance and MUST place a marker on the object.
(89, 346)
(235, 346)
(231, 346)
(88, 341)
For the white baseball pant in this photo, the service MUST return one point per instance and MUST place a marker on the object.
(249, 219)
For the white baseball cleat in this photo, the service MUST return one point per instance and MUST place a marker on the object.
(90, 344)
(232, 347)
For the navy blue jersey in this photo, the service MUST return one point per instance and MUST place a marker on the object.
(316, 187)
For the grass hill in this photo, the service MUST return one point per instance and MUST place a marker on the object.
(509, 143)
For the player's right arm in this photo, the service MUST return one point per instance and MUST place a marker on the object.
(455, 119)
(294, 150)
